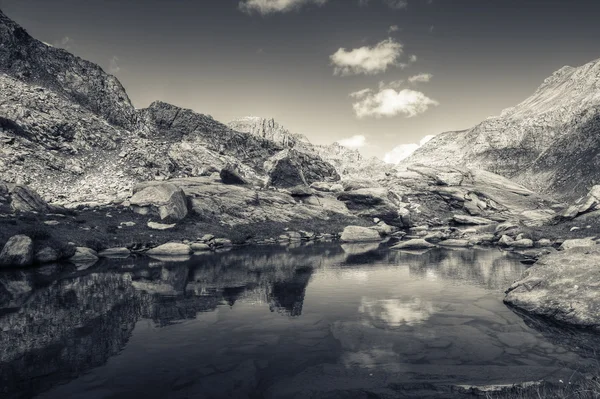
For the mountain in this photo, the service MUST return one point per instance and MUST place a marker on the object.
(547, 142)
(69, 130)
(349, 163)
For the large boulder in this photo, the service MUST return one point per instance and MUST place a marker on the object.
(165, 199)
(18, 251)
(562, 286)
(291, 168)
(359, 234)
(25, 199)
(578, 243)
(372, 203)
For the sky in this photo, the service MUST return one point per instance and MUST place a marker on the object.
(382, 76)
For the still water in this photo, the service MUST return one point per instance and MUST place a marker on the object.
(318, 321)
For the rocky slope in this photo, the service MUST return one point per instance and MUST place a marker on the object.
(548, 142)
(68, 129)
(348, 163)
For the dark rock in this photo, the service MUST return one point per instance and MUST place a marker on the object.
(230, 174)
(18, 251)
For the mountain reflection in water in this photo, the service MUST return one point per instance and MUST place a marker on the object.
(267, 322)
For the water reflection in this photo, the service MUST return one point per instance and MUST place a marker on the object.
(279, 316)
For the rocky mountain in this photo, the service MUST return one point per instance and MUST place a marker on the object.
(348, 163)
(69, 130)
(548, 142)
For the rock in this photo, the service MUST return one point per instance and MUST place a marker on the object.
(435, 236)
(170, 249)
(207, 237)
(522, 243)
(327, 187)
(291, 168)
(455, 243)
(128, 224)
(84, 256)
(372, 203)
(231, 175)
(417, 243)
(359, 234)
(165, 199)
(115, 253)
(222, 243)
(464, 219)
(562, 286)
(578, 242)
(160, 226)
(51, 222)
(505, 241)
(25, 199)
(46, 255)
(385, 229)
(537, 217)
(301, 191)
(505, 227)
(18, 251)
(200, 247)
(480, 239)
(544, 242)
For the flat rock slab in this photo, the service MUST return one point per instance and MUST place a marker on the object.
(170, 249)
(359, 234)
(118, 253)
(417, 243)
(474, 220)
(578, 243)
(563, 286)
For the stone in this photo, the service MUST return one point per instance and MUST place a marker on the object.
(385, 229)
(522, 243)
(544, 242)
(578, 242)
(562, 286)
(115, 253)
(25, 199)
(160, 226)
(480, 239)
(170, 249)
(537, 217)
(51, 222)
(417, 243)
(165, 199)
(222, 243)
(46, 255)
(207, 237)
(359, 234)
(502, 227)
(455, 243)
(231, 174)
(505, 241)
(18, 251)
(464, 219)
(200, 247)
(84, 255)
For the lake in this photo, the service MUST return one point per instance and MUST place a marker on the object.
(311, 321)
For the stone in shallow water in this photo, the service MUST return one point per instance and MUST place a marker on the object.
(18, 251)
(358, 234)
(115, 253)
(416, 243)
(170, 249)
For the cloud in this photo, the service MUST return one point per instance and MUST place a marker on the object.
(397, 4)
(357, 141)
(420, 78)
(265, 7)
(367, 60)
(389, 101)
(413, 58)
(113, 66)
(393, 28)
(403, 151)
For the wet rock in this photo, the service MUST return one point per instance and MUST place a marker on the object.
(506, 241)
(116, 253)
(358, 234)
(417, 243)
(481, 239)
(170, 249)
(562, 286)
(84, 257)
(165, 199)
(579, 242)
(222, 243)
(18, 251)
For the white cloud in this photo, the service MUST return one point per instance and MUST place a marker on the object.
(420, 78)
(357, 141)
(403, 151)
(113, 66)
(367, 60)
(394, 84)
(393, 28)
(388, 102)
(273, 6)
(64, 43)
(413, 58)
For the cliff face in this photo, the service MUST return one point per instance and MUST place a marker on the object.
(68, 129)
(525, 142)
(80, 81)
